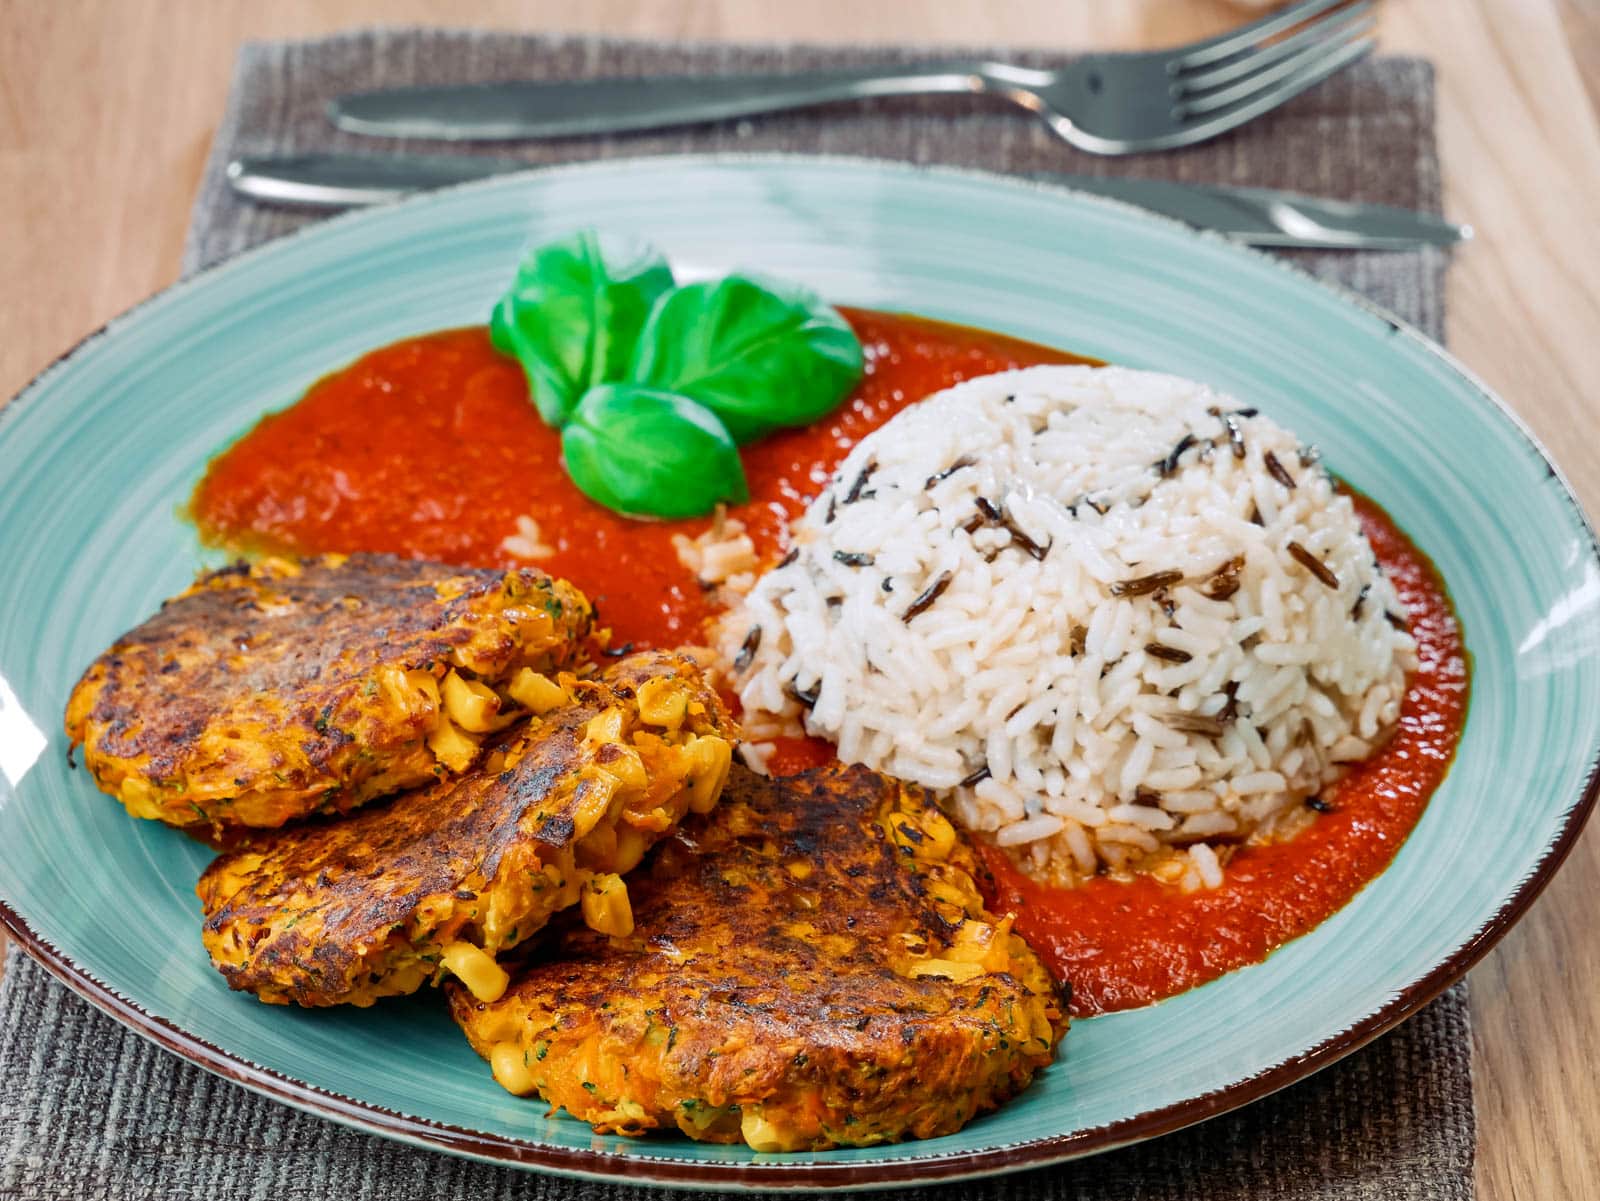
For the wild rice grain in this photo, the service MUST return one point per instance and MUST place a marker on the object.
(1235, 435)
(939, 477)
(1361, 600)
(1146, 584)
(1314, 565)
(925, 601)
(1195, 723)
(1224, 582)
(747, 650)
(1170, 464)
(1169, 653)
(1277, 470)
(854, 494)
(806, 698)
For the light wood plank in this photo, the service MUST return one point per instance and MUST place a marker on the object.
(106, 113)
(1581, 21)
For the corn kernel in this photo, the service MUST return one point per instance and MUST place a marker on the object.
(600, 847)
(140, 797)
(510, 1069)
(662, 702)
(761, 1134)
(631, 846)
(606, 908)
(453, 747)
(500, 1025)
(536, 693)
(471, 705)
(595, 793)
(943, 890)
(950, 969)
(972, 942)
(699, 1119)
(711, 758)
(627, 769)
(604, 727)
(423, 682)
(941, 835)
(999, 957)
(799, 869)
(485, 979)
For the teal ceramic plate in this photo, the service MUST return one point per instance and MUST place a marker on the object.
(97, 455)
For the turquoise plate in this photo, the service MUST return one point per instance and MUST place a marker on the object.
(99, 452)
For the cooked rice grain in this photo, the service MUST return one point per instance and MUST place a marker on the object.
(1077, 602)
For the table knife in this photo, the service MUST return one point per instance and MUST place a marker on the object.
(1254, 216)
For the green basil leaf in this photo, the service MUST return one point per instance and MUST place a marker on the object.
(574, 312)
(643, 451)
(758, 355)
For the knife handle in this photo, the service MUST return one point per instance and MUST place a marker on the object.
(496, 112)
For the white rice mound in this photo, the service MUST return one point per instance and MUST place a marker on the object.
(1069, 600)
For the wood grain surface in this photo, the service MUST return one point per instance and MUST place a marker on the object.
(107, 111)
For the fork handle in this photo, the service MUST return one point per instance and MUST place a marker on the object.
(502, 111)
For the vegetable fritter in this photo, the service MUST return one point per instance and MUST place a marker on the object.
(345, 911)
(267, 693)
(810, 966)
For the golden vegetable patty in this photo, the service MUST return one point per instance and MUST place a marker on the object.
(810, 966)
(345, 911)
(266, 693)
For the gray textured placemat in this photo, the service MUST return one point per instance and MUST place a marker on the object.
(88, 1109)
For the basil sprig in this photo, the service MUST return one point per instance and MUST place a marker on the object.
(573, 315)
(639, 450)
(758, 356)
(654, 386)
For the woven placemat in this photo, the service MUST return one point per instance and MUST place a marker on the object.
(87, 1109)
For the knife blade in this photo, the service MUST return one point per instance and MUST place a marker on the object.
(1254, 216)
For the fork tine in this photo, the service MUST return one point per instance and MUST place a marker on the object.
(1214, 50)
(1222, 120)
(1285, 68)
(1246, 64)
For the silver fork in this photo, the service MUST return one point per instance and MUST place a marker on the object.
(1103, 103)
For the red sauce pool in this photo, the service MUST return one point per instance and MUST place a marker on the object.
(430, 448)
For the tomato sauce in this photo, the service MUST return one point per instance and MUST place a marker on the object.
(430, 448)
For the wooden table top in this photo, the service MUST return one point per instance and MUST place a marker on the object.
(107, 112)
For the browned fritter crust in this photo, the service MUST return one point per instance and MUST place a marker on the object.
(347, 911)
(265, 693)
(811, 967)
